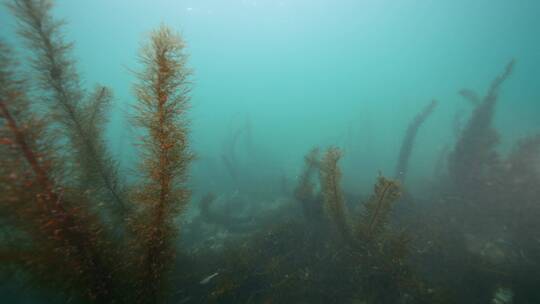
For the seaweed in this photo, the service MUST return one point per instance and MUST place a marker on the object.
(56, 173)
(330, 176)
(408, 141)
(78, 118)
(163, 99)
(303, 261)
(62, 229)
(474, 154)
(520, 192)
(305, 191)
(374, 218)
(62, 202)
(524, 161)
(486, 222)
(229, 155)
(471, 96)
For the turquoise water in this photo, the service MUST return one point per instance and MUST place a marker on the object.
(286, 76)
(309, 73)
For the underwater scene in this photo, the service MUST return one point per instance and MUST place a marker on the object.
(270, 151)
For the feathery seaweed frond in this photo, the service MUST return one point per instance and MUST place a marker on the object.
(330, 175)
(21, 131)
(103, 178)
(66, 238)
(305, 190)
(64, 97)
(408, 140)
(474, 153)
(377, 209)
(163, 94)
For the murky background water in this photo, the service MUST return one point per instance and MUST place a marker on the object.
(272, 79)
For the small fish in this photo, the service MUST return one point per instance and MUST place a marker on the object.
(208, 278)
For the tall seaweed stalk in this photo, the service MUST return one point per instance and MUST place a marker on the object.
(163, 97)
(330, 175)
(305, 191)
(408, 141)
(474, 153)
(79, 118)
(65, 237)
